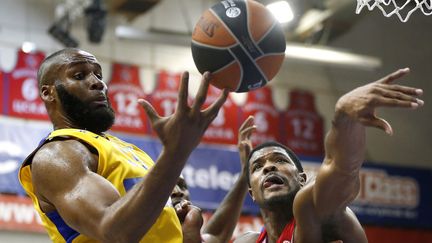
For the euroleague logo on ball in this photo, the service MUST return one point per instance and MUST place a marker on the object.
(231, 10)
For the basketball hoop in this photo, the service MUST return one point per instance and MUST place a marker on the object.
(390, 7)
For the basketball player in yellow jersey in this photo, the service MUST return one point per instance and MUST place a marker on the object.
(89, 186)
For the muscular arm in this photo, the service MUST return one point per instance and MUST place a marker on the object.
(221, 225)
(90, 204)
(320, 208)
(337, 182)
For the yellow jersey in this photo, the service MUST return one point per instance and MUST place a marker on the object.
(123, 165)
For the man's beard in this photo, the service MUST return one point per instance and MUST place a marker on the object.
(280, 200)
(92, 119)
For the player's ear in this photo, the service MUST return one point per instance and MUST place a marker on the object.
(46, 93)
(302, 178)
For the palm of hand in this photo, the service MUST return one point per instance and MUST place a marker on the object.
(183, 129)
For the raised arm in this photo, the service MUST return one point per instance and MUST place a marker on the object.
(221, 225)
(337, 183)
(65, 179)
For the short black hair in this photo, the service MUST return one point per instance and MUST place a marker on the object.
(46, 64)
(291, 154)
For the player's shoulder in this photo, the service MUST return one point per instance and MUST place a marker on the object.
(58, 153)
(60, 149)
(250, 236)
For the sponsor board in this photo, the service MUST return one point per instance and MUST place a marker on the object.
(18, 214)
(388, 196)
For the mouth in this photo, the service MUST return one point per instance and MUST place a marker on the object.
(100, 101)
(273, 180)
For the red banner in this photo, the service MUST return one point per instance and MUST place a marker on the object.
(18, 214)
(23, 88)
(124, 90)
(259, 103)
(303, 126)
(164, 96)
(2, 93)
(223, 129)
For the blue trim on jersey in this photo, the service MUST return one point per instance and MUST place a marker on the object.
(42, 141)
(67, 232)
(130, 182)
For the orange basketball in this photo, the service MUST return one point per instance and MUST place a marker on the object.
(240, 43)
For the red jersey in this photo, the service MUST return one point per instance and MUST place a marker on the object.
(287, 235)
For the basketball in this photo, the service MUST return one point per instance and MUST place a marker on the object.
(240, 43)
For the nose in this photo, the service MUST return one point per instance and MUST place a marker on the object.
(269, 167)
(98, 84)
(177, 192)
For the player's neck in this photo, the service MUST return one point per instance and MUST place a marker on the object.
(275, 222)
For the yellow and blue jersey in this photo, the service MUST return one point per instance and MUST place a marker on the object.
(123, 165)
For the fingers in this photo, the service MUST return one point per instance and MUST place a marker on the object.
(149, 110)
(405, 89)
(214, 108)
(378, 123)
(183, 92)
(182, 205)
(246, 133)
(401, 93)
(394, 102)
(246, 129)
(202, 92)
(395, 75)
(247, 123)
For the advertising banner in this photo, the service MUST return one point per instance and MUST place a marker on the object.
(389, 195)
(17, 140)
(393, 196)
(18, 214)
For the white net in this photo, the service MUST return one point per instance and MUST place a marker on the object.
(390, 7)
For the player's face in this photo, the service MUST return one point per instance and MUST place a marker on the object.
(83, 94)
(180, 192)
(274, 178)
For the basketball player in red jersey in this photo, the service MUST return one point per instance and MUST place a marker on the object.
(89, 186)
(298, 211)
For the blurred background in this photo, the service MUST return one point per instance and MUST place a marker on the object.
(144, 45)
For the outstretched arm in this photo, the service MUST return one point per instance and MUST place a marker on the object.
(88, 202)
(337, 183)
(221, 225)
